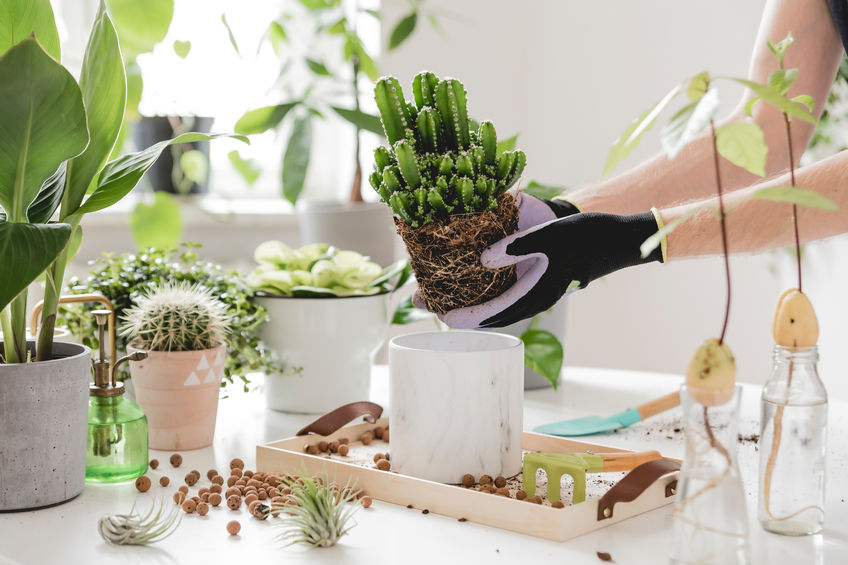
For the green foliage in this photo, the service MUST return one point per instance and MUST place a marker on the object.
(20, 19)
(182, 48)
(296, 158)
(123, 278)
(744, 145)
(402, 30)
(249, 169)
(175, 317)
(317, 512)
(25, 251)
(141, 25)
(544, 191)
(799, 196)
(158, 224)
(437, 165)
(543, 353)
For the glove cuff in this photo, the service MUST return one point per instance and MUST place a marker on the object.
(664, 240)
(562, 207)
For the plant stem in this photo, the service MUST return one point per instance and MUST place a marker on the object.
(356, 188)
(17, 310)
(52, 291)
(794, 206)
(723, 234)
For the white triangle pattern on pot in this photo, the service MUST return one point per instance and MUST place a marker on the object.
(192, 380)
(204, 363)
(210, 378)
(219, 360)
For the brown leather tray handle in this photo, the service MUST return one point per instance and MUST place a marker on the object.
(635, 483)
(333, 421)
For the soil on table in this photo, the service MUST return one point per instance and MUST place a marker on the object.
(446, 256)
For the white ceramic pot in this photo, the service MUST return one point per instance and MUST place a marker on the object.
(332, 340)
(553, 321)
(366, 227)
(456, 404)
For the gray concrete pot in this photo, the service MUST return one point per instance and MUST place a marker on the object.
(552, 321)
(44, 423)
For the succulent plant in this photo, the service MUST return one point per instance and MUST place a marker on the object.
(135, 529)
(317, 512)
(437, 164)
(176, 317)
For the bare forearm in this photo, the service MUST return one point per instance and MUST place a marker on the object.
(756, 225)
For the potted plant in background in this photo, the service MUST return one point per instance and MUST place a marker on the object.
(182, 328)
(327, 315)
(57, 135)
(334, 88)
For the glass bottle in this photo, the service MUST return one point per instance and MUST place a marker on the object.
(710, 517)
(793, 437)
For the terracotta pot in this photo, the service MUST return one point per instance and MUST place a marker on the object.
(178, 391)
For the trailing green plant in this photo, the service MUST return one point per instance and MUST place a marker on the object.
(437, 163)
(57, 137)
(176, 317)
(123, 278)
(316, 513)
(135, 529)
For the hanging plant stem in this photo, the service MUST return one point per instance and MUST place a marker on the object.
(723, 222)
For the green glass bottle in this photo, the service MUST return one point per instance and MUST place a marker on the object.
(116, 448)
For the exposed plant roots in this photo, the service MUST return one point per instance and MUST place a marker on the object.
(445, 256)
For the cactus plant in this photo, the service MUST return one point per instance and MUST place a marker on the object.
(176, 317)
(437, 163)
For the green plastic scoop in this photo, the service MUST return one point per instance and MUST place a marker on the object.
(598, 424)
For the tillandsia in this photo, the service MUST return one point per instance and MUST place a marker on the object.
(135, 529)
(317, 512)
(176, 317)
(437, 163)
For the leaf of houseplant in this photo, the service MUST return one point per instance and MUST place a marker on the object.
(21, 18)
(25, 251)
(277, 36)
(399, 269)
(318, 67)
(685, 126)
(782, 79)
(249, 169)
(544, 191)
(777, 100)
(507, 144)
(182, 48)
(407, 313)
(120, 176)
(402, 30)
(296, 158)
(141, 25)
(744, 145)
(104, 92)
(262, 119)
(317, 5)
(362, 120)
(42, 123)
(806, 100)
(230, 34)
(631, 136)
(799, 196)
(543, 353)
(158, 224)
(49, 197)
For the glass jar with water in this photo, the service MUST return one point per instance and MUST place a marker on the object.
(793, 433)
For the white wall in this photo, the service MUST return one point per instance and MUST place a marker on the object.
(570, 75)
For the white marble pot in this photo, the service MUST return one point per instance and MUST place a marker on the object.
(332, 340)
(456, 404)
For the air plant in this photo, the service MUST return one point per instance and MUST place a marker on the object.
(317, 512)
(176, 317)
(135, 529)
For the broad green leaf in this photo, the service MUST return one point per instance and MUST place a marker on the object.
(655, 240)
(545, 191)
(777, 100)
(800, 196)
(543, 353)
(104, 92)
(277, 36)
(402, 30)
(353, 46)
(42, 123)
(806, 100)
(782, 80)
(394, 270)
(749, 105)
(361, 120)
(249, 169)
(698, 86)
(685, 126)
(631, 136)
(158, 224)
(263, 119)
(195, 166)
(25, 251)
(339, 27)
(296, 158)
(121, 175)
(49, 197)
(316, 5)
(230, 34)
(744, 145)
(317, 67)
(407, 313)
(141, 25)
(20, 18)
(182, 48)
(507, 144)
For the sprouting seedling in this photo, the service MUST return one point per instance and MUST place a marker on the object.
(135, 529)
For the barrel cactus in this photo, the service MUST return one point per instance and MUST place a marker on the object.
(176, 317)
(438, 164)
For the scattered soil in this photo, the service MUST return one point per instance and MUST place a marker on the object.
(446, 256)
(603, 556)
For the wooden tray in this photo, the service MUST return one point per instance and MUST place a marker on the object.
(645, 488)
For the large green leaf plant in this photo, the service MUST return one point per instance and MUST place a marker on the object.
(56, 135)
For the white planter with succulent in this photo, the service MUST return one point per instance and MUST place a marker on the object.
(182, 328)
(328, 313)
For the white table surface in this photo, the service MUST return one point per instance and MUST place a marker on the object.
(391, 534)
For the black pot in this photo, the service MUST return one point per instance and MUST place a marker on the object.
(153, 129)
